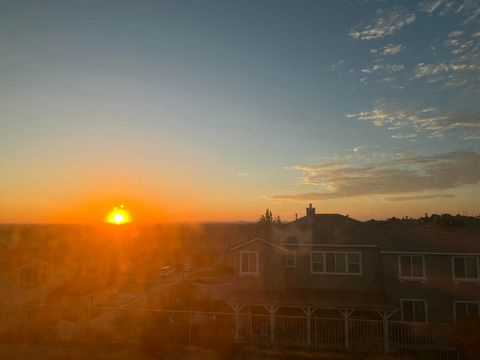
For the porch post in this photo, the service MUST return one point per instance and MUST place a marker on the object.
(385, 315)
(309, 312)
(237, 308)
(189, 328)
(346, 314)
(272, 309)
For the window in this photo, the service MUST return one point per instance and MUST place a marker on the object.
(414, 310)
(465, 267)
(316, 265)
(32, 276)
(335, 263)
(291, 259)
(466, 309)
(249, 263)
(411, 266)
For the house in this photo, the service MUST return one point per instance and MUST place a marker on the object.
(205, 245)
(431, 273)
(332, 265)
(26, 279)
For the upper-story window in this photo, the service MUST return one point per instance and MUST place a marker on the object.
(32, 276)
(249, 263)
(291, 259)
(466, 309)
(411, 267)
(414, 310)
(328, 262)
(465, 268)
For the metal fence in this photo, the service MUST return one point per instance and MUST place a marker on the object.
(255, 330)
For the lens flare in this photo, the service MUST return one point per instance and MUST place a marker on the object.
(118, 215)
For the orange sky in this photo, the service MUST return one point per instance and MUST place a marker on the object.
(215, 112)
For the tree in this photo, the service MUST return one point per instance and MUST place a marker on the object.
(266, 221)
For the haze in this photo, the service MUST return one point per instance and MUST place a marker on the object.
(214, 110)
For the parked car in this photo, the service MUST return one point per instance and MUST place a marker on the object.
(166, 271)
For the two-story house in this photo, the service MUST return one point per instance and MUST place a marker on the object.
(337, 266)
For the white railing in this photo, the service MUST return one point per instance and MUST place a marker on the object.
(201, 328)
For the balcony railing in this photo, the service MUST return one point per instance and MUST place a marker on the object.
(200, 328)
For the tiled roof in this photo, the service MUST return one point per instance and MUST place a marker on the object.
(332, 229)
(428, 238)
(390, 236)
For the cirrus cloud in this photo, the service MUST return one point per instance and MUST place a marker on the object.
(408, 123)
(384, 25)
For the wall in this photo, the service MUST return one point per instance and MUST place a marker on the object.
(438, 289)
(271, 268)
(369, 280)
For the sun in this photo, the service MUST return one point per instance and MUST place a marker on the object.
(118, 215)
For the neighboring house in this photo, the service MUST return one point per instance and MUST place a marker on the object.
(83, 298)
(338, 266)
(205, 245)
(26, 280)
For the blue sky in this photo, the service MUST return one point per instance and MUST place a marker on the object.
(229, 107)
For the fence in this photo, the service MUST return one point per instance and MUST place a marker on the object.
(255, 330)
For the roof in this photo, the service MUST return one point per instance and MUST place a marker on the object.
(216, 235)
(331, 229)
(428, 238)
(13, 259)
(366, 300)
(81, 286)
(255, 240)
(390, 236)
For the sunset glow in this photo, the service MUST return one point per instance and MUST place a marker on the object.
(118, 216)
(365, 108)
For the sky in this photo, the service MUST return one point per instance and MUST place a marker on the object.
(217, 110)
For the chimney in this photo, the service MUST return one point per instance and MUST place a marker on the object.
(296, 216)
(310, 212)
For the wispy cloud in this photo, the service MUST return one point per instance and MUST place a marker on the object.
(458, 67)
(390, 49)
(471, 9)
(384, 24)
(387, 67)
(417, 197)
(335, 66)
(431, 5)
(408, 122)
(398, 175)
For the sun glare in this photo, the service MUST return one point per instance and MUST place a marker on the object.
(119, 215)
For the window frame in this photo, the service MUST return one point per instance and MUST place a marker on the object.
(465, 302)
(414, 300)
(345, 253)
(402, 277)
(289, 254)
(465, 279)
(32, 276)
(249, 273)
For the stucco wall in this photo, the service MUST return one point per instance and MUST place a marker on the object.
(368, 280)
(438, 289)
(271, 266)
